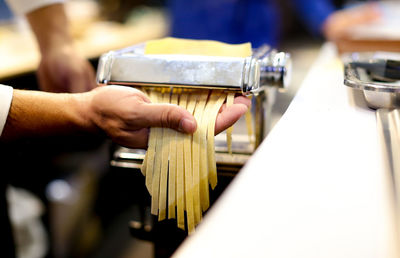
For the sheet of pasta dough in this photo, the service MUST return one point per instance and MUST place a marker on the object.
(197, 47)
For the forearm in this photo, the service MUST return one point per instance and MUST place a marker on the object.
(42, 114)
(50, 26)
(123, 113)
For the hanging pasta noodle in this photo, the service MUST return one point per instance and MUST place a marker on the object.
(144, 166)
(187, 143)
(176, 162)
(151, 149)
(179, 167)
(196, 147)
(212, 167)
(204, 194)
(180, 183)
(172, 166)
(167, 132)
(229, 102)
(155, 188)
(249, 124)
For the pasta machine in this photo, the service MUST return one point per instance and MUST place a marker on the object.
(261, 75)
(266, 70)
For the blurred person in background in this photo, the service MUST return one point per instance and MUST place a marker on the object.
(62, 68)
(261, 21)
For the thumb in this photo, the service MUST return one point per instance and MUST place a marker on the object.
(169, 115)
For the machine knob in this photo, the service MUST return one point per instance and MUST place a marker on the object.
(275, 70)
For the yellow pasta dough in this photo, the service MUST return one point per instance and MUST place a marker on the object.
(179, 167)
(229, 102)
(167, 132)
(180, 187)
(187, 144)
(197, 47)
(198, 115)
(155, 188)
(172, 167)
(204, 193)
(212, 167)
(249, 125)
(151, 149)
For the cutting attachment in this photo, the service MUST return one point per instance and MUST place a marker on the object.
(250, 75)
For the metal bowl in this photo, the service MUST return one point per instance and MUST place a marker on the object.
(378, 92)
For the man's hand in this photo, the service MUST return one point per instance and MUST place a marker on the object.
(338, 23)
(125, 114)
(61, 68)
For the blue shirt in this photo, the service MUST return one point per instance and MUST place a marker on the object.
(238, 21)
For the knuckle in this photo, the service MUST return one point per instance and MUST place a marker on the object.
(165, 117)
(168, 117)
(134, 113)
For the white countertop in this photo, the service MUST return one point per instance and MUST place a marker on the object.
(316, 187)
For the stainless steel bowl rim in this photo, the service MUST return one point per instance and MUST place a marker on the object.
(351, 80)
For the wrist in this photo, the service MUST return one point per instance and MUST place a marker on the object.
(57, 41)
(85, 115)
(50, 26)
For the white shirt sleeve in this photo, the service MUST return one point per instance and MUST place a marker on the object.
(6, 94)
(21, 7)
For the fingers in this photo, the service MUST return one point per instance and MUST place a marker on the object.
(238, 100)
(172, 116)
(229, 116)
(168, 115)
(242, 100)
